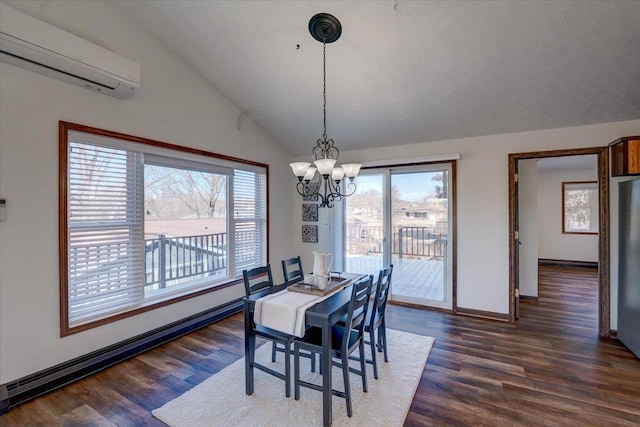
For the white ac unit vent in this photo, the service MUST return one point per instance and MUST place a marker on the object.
(29, 43)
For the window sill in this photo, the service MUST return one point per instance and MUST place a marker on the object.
(152, 304)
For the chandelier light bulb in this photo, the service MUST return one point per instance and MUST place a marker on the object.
(337, 174)
(351, 170)
(310, 174)
(300, 168)
(325, 166)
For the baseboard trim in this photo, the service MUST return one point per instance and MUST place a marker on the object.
(613, 333)
(503, 317)
(566, 263)
(19, 391)
(4, 399)
(529, 298)
(421, 307)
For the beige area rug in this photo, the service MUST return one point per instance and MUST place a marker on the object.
(221, 400)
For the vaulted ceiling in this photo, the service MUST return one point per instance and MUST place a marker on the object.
(410, 71)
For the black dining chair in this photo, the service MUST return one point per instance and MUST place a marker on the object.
(293, 273)
(292, 270)
(345, 340)
(254, 281)
(375, 319)
(257, 279)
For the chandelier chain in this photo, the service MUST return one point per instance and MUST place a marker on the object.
(324, 86)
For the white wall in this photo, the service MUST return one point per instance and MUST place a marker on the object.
(483, 241)
(553, 244)
(173, 105)
(528, 226)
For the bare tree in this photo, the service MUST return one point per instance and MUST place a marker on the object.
(92, 168)
(440, 189)
(198, 193)
(208, 188)
(395, 194)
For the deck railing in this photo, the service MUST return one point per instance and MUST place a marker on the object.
(406, 241)
(170, 260)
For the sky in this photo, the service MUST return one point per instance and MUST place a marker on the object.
(413, 186)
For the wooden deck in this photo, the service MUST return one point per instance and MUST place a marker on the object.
(414, 278)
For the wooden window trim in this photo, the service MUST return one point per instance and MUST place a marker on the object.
(63, 133)
(564, 184)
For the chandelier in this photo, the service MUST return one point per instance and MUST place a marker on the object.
(326, 180)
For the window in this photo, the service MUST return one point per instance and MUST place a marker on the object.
(185, 224)
(580, 207)
(145, 223)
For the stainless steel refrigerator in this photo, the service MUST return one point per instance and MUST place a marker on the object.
(629, 265)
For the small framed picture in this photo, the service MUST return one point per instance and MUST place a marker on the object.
(310, 212)
(310, 233)
(313, 187)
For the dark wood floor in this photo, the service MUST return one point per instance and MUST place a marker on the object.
(547, 369)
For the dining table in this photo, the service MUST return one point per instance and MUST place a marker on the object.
(323, 315)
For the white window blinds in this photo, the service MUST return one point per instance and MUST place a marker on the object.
(112, 261)
(250, 219)
(105, 231)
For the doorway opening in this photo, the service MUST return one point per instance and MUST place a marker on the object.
(602, 154)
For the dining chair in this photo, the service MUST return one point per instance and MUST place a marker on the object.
(254, 281)
(291, 277)
(257, 279)
(375, 318)
(345, 340)
(296, 274)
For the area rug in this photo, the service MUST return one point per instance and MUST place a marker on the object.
(221, 400)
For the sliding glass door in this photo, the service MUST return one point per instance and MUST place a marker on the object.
(402, 216)
(364, 231)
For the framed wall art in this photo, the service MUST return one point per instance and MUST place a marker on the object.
(310, 212)
(310, 233)
(313, 186)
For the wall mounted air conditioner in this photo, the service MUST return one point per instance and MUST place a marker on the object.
(37, 46)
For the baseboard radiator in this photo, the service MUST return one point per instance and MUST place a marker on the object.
(31, 386)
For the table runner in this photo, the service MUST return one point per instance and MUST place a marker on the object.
(284, 311)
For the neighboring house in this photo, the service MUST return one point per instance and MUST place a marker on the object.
(184, 227)
(175, 104)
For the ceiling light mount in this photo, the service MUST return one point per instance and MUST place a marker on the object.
(325, 28)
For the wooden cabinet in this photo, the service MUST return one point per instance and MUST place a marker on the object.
(625, 156)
